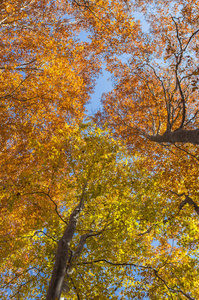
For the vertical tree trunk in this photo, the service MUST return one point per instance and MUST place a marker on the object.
(62, 256)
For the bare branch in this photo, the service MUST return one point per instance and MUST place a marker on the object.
(141, 267)
(56, 207)
(78, 297)
(193, 34)
(165, 96)
(197, 160)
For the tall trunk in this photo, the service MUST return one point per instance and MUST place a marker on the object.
(59, 270)
(178, 136)
(62, 256)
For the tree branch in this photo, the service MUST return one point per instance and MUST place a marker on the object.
(142, 267)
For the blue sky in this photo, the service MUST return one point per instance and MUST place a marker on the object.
(103, 85)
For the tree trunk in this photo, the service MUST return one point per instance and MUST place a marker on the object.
(62, 256)
(59, 270)
(178, 136)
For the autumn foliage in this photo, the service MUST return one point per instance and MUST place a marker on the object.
(104, 207)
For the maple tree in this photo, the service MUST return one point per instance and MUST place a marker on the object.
(76, 206)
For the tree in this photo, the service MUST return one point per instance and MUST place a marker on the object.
(73, 200)
(155, 95)
(91, 212)
(44, 83)
(43, 80)
(78, 177)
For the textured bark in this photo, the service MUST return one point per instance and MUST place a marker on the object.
(62, 256)
(178, 136)
(69, 268)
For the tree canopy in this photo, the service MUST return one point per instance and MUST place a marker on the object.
(106, 207)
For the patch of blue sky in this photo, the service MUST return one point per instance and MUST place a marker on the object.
(140, 16)
(103, 85)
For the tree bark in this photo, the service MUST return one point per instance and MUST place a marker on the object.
(178, 136)
(62, 256)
